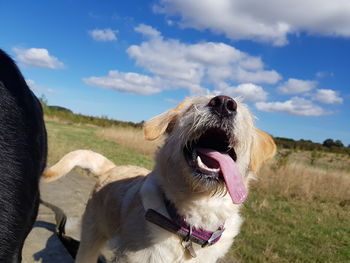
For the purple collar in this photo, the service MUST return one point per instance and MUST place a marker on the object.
(177, 224)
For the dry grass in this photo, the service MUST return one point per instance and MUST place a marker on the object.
(132, 138)
(55, 119)
(65, 121)
(297, 180)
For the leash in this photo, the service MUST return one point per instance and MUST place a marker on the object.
(69, 243)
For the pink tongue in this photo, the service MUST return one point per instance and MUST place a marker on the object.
(229, 169)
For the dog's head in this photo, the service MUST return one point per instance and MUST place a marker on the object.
(212, 146)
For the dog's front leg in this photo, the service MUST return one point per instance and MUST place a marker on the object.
(92, 240)
(90, 248)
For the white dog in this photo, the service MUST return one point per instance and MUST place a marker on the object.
(187, 208)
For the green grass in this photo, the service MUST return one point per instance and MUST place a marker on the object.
(290, 230)
(276, 228)
(64, 138)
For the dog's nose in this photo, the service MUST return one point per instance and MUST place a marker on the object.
(223, 105)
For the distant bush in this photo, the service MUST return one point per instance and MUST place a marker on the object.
(328, 145)
(59, 108)
(281, 160)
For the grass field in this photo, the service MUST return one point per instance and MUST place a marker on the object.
(296, 212)
(64, 138)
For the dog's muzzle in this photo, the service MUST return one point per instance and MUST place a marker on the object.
(212, 157)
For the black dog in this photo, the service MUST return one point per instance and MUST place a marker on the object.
(23, 152)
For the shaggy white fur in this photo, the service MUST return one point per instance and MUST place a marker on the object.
(115, 212)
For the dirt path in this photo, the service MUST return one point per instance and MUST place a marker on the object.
(70, 194)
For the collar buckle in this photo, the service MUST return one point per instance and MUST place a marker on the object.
(213, 237)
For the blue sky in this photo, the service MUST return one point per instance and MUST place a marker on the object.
(131, 60)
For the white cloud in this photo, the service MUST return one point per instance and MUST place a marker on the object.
(263, 21)
(248, 91)
(260, 76)
(192, 66)
(103, 34)
(295, 86)
(147, 30)
(37, 88)
(294, 106)
(324, 74)
(37, 57)
(126, 82)
(170, 100)
(170, 22)
(30, 82)
(327, 96)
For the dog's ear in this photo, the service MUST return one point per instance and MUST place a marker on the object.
(156, 126)
(263, 149)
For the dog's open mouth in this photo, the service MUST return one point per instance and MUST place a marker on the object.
(212, 158)
(215, 139)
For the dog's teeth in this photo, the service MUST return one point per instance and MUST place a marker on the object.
(215, 170)
(204, 167)
(200, 163)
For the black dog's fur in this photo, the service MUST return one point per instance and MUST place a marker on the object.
(23, 151)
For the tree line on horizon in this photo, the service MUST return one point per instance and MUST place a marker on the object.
(328, 145)
(69, 116)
